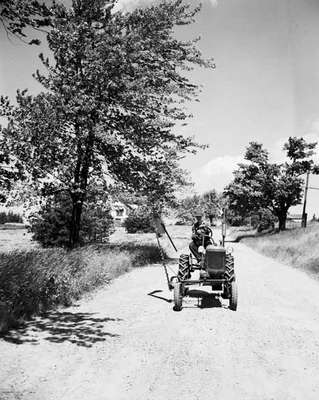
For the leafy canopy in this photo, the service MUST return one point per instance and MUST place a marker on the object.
(17, 15)
(113, 93)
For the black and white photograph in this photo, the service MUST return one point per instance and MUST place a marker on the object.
(159, 199)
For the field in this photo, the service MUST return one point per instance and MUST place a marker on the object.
(297, 247)
(15, 239)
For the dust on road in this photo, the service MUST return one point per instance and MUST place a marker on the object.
(126, 342)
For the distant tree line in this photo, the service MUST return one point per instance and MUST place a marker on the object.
(209, 203)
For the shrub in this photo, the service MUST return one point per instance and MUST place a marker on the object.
(52, 224)
(185, 218)
(10, 217)
(264, 220)
(139, 220)
(235, 220)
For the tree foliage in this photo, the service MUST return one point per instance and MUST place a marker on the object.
(209, 203)
(116, 89)
(260, 185)
(17, 15)
(52, 224)
(139, 220)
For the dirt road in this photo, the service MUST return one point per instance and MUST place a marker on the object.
(126, 343)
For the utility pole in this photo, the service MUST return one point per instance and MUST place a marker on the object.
(304, 214)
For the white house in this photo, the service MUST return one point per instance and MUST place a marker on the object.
(120, 211)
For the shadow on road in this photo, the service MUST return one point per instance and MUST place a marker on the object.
(81, 329)
(154, 294)
(205, 300)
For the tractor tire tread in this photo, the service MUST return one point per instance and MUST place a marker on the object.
(178, 296)
(229, 268)
(233, 296)
(184, 270)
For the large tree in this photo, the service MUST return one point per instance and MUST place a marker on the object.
(260, 185)
(113, 94)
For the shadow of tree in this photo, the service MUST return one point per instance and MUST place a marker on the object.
(81, 329)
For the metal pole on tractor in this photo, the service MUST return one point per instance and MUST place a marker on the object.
(304, 214)
(224, 227)
(160, 229)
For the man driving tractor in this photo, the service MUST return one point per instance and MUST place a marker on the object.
(199, 229)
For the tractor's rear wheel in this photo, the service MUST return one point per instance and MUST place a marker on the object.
(233, 296)
(184, 268)
(178, 296)
(229, 268)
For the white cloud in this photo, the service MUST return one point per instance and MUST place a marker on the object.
(214, 3)
(221, 165)
(128, 5)
(216, 173)
(276, 153)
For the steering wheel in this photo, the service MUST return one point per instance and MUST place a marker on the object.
(203, 229)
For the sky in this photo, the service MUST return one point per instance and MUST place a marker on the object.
(265, 86)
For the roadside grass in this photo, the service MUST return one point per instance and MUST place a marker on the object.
(297, 247)
(34, 280)
(237, 233)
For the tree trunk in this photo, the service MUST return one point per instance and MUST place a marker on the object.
(211, 219)
(79, 198)
(76, 222)
(282, 217)
(76, 200)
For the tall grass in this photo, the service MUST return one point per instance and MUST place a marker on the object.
(35, 280)
(297, 247)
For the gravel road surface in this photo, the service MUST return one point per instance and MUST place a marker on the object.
(126, 342)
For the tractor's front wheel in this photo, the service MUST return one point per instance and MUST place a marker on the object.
(184, 268)
(233, 296)
(178, 296)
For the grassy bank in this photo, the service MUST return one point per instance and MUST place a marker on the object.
(32, 281)
(297, 247)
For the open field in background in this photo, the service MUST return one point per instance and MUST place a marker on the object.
(297, 247)
(181, 236)
(16, 239)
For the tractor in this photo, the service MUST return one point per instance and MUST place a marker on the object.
(216, 269)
